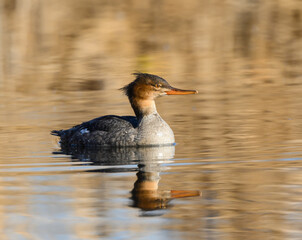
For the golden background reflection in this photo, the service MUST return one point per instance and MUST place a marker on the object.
(239, 141)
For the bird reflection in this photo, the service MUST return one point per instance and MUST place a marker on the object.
(150, 161)
(147, 196)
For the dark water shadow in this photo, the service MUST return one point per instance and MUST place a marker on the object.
(148, 163)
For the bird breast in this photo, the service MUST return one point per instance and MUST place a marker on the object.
(153, 130)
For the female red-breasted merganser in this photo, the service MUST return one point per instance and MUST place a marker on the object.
(146, 129)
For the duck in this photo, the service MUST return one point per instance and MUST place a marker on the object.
(146, 128)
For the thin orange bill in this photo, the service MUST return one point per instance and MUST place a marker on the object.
(176, 91)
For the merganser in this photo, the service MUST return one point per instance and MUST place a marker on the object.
(147, 128)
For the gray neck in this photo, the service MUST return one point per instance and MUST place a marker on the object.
(153, 130)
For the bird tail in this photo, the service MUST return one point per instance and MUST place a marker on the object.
(56, 132)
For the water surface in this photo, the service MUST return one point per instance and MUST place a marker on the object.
(235, 172)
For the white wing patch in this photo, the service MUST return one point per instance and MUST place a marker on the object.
(83, 131)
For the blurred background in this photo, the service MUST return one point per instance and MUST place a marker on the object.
(62, 63)
(92, 45)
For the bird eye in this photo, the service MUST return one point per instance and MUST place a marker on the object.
(158, 85)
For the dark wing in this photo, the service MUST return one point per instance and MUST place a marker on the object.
(107, 130)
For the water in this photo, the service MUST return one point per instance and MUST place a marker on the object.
(235, 172)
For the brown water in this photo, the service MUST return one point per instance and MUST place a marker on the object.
(236, 171)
